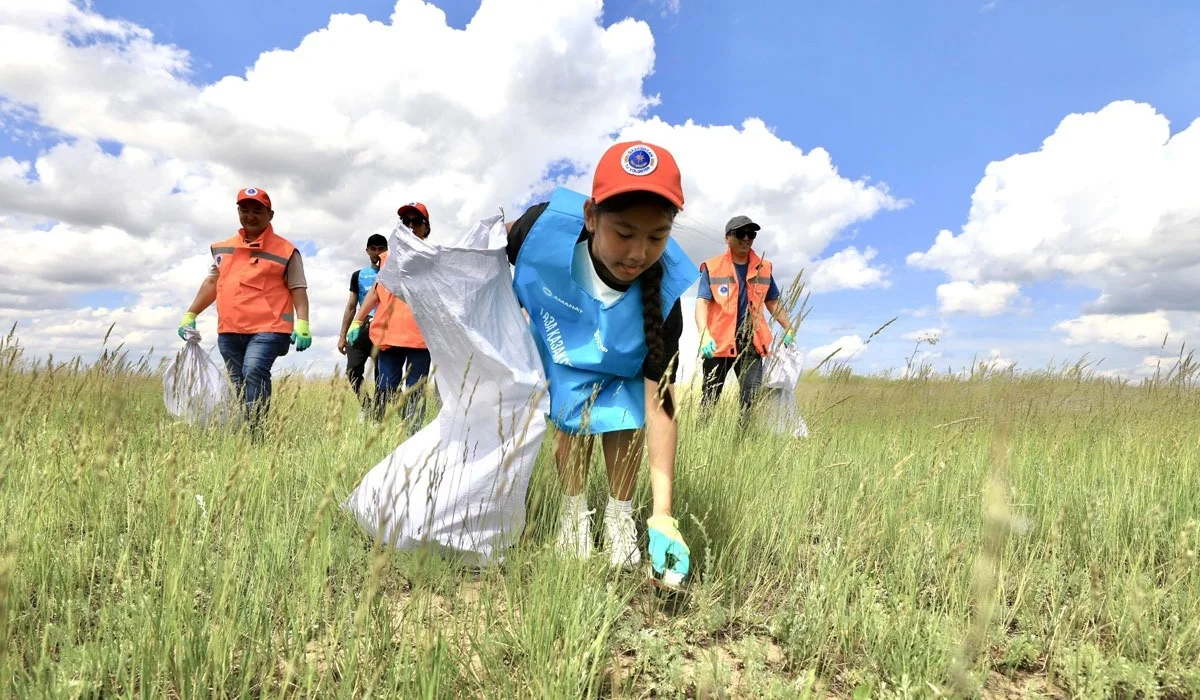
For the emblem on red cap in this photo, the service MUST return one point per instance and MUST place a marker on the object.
(639, 159)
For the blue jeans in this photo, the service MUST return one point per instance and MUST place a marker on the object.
(248, 359)
(391, 366)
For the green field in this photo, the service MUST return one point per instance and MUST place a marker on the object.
(1003, 535)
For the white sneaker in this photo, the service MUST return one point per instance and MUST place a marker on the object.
(575, 532)
(621, 536)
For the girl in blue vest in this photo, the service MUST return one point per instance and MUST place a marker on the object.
(600, 278)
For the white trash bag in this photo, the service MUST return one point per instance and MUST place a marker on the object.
(783, 371)
(459, 484)
(195, 387)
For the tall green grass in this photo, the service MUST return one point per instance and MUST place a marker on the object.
(999, 534)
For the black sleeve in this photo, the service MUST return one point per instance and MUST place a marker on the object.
(520, 229)
(354, 282)
(672, 331)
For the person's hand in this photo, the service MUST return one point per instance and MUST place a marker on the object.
(708, 346)
(342, 344)
(188, 322)
(302, 337)
(352, 334)
(668, 551)
(789, 338)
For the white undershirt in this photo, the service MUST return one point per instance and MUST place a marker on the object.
(585, 275)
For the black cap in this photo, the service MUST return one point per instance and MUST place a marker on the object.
(740, 221)
(376, 240)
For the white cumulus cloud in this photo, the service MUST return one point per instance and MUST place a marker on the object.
(466, 121)
(1108, 202)
(1130, 330)
(987, 299)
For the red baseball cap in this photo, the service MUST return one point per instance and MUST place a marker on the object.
(414, 207)
(632, 166)
(255, 193)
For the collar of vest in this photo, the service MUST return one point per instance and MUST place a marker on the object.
(754, 260)
(264, 239)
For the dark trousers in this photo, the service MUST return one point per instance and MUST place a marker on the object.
(249, 358)
(356, 362)
(748, 366)
(396, 365)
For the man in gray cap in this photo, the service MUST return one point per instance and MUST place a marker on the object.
(735, 286)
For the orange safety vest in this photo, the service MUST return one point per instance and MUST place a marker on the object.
(393, 325)
(723, 309)
(252, 291)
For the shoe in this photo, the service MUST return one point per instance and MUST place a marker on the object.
(620, 534)
(575, 532)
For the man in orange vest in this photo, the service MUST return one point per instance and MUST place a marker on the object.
(735, 286)
(402, 354)
(257, 280)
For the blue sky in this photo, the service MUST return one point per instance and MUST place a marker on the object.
(921, 95)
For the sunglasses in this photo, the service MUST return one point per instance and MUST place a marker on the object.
(412, 221)
(743, 234)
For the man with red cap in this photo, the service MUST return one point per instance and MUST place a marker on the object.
(257, 281)
(402, 353)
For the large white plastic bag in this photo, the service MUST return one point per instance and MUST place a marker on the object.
(195, 387)
(459, 483)
(783, 371)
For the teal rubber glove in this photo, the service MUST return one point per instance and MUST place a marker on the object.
(668, 551)
(788, 339)
(352, 332)
(708, 346)
(189, 321)
(301, 336)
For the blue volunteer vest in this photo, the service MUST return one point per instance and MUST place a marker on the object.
(366, 279)
(592, 354)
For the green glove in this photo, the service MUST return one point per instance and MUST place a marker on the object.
(352, 333)
(189, 321)
(301, 336)
(708, 346)
(665, 541)
(788, 339)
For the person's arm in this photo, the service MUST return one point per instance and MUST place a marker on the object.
(205, 296)
(347, 316)
(662, 438)
(368, 305)
(300, 301)
(779, 314)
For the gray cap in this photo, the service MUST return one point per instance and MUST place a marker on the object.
(740, 221)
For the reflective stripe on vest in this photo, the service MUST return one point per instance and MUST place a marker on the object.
(592, 354)
(366, 278)
(252, 291)
(723, 309)
(393, 325)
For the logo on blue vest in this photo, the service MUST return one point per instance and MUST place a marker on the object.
(550, 293)
(723, 290)
(639, 160)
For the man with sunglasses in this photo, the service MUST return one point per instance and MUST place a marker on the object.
(402, 354)
(735, 286)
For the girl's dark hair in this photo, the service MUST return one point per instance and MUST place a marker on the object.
(651, 279)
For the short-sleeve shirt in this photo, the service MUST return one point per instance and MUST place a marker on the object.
(672, 329)
(740, 269)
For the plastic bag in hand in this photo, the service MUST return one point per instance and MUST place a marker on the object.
(196, 388)
(783, 370)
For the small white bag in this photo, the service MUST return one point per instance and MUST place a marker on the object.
(783, 372)
(195, 388)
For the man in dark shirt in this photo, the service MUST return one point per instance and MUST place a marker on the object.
(357, 352)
